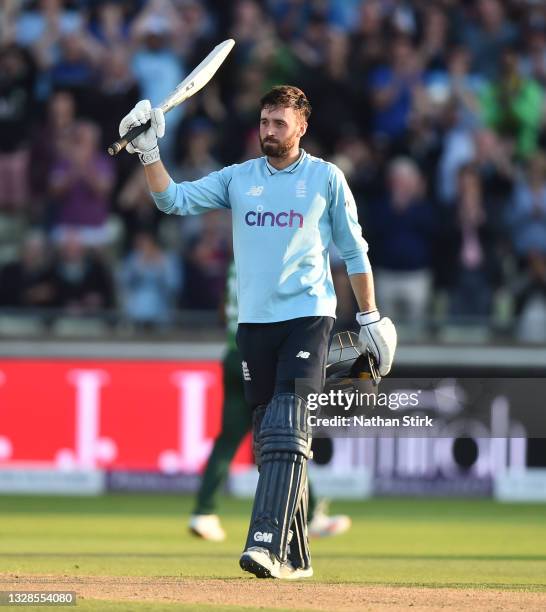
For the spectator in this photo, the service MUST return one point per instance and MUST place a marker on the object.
(158, 70)
(109, 25)
(402, 224)
(277, 60)
(392, 90)
(465, 86)
(83, 283)
(527, 222)
(205, 265)
(533, 60)
(16, 100)
(491, 156)
(468, 250)
(527, 215)
(150, 279)
(367, 42)
(198, 159)
(513, 106)
(41, 25)
(333, 93)
(240, 125)
(50, 143)
(75, 67)
(435, 38)
(249, 26)
(29, 282)
(454, 90)
(136, 206)
(40, 29)
(117, 90)
(196, 29)
(359, 163)
(309, 48)
(80, 185)
(487, 35)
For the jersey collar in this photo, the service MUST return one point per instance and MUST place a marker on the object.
(291, 168)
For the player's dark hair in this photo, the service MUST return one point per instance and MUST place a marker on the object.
(287, 96)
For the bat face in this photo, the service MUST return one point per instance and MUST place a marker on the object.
(195, 81)
(200, 76)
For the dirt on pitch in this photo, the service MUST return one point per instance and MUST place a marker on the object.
(254, 593)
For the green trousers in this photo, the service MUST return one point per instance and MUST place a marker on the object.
(236, 423)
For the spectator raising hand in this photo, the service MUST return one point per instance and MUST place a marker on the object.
(80, 185)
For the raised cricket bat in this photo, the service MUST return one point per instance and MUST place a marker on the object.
(184, 90)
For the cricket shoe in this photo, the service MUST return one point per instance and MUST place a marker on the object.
(207, 526)
(323, 525)
(260, 562)
(289, 572)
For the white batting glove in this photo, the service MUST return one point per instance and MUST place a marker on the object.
(377, 335)
(146, 143)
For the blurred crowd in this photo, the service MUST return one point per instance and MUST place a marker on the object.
(434, 109)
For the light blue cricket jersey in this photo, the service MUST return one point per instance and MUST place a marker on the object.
(283, 223)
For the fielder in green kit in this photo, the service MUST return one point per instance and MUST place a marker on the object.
(236, 423)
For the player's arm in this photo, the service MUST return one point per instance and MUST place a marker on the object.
(188, 198)
(157, 177)
(378, 335)
(363, 289)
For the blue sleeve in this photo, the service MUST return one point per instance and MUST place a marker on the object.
(346, 230)
(196, 197)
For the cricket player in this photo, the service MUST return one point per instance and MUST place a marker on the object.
(287, 207)
(236, 423)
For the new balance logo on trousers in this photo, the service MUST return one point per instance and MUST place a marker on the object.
(303, 355)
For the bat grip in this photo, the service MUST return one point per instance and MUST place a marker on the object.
(120, 144)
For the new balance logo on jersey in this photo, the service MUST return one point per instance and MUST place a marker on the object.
(303, 355)
(255, 190)
(263, 536)
(246, 371)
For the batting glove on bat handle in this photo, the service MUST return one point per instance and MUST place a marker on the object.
(120, 144)
(140, 130)
(377, 335)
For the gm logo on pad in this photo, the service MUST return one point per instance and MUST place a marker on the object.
(263, 536)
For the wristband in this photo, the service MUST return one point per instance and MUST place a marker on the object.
(365, 318)
(149, 157)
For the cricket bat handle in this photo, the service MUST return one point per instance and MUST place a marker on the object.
(120, 144)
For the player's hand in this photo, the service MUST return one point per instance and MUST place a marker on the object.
(146, 143)
(377, 335)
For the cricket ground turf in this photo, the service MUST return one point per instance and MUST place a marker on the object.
(133, 552)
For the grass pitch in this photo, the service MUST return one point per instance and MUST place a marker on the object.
(133, 552)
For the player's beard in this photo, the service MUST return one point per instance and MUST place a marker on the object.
(276, 149)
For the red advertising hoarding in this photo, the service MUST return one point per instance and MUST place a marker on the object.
(116, 415)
